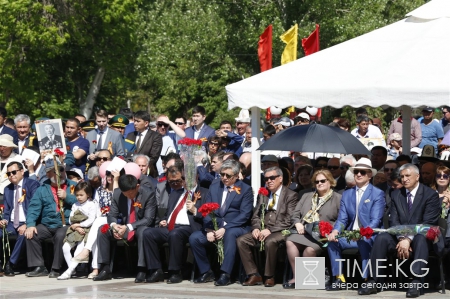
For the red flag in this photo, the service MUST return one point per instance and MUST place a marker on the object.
(265, 49)
(311, 43)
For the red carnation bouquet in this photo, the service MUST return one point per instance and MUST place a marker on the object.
(106, 227)
(208, 209)
(190, 142)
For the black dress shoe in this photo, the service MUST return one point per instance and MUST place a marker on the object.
(103, 275)
(9, 270)
(414, 291)
(289, 285)
(53, 274)
(223, 280)
(158, 275)
(336, 286)
(140, 278)
(370, 288)
(205, 277)
(38, 271)
(175, 278)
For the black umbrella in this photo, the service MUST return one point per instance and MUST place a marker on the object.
(315, 138)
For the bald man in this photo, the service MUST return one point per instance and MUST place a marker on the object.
(428, 173)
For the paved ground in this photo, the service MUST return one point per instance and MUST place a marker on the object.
(43, 287)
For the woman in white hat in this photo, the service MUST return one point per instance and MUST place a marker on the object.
(7, 155)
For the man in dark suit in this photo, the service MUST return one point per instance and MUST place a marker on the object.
(147, 142)
(413, 204)
(278, 208)
(174, 228)
(233, 217)
(16, 199)
(4, 129)
(199, 129)
(361, 206)
(25, 138)
(334, 166)
(104, 138)
(133, 209)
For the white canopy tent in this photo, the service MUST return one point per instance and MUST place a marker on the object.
(405, 64)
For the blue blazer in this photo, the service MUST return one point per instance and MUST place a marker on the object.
(370, 210)
(205, 132)
(30, 187)
(238, 207)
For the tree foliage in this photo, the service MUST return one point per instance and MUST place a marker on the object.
(163, 56)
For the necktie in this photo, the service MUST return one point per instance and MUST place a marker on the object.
(131, 219)
(358, 199)
(176, 211)
(222, 208)
(410, 203)
(138, 143)
(16, 208)
(273, 202)
(100, 141)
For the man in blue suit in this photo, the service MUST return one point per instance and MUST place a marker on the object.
(199, 130)
(16, 199)
(4, 129)
(233, 218)
(361, 206)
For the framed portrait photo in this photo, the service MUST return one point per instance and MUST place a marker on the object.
(50, 136)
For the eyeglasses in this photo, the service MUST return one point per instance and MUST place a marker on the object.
(214, 143)
(333, 167)
(9, 173)
(272, 178)
(442, 175)
(226, 175)
(320, 181)
(178, 123)
(388, 169)
(362, 172)
(174, 182)
(104, 159)
(162, 125)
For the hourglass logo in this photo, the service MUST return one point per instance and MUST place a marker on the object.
(310, 273)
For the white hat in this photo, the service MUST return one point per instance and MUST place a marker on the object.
(275, 110)
(75, 171)
(304, 115)
(244, 116)
(7, 140)
(416, 150)
(363, 163)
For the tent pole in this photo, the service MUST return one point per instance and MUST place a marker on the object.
(406, 132)
(256, 155)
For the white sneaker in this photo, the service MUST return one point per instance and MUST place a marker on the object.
(65, 276)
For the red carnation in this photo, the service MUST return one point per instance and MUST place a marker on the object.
(325, 228)
(162, 179)
(208, 208)
(190, 142)
(59, 152)
(104, 210)
(433, 234)
(263, 191)
(366, 232)
(105, 228)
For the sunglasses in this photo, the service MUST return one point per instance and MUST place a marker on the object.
(178, 123)
(344, 167)
(162, 125)
(175, 182)
(9, 173)
(388, 169)
(438, 176)
(362, 172)
(333, 167)
(214, 143)
(272, 178)
(226, 175)
(320, 181)
(104, 159)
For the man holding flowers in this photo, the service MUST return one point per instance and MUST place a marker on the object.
(361, 206)
(413, 204)
(235, 201)
(272, 215)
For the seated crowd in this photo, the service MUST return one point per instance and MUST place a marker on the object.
(86, 198)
